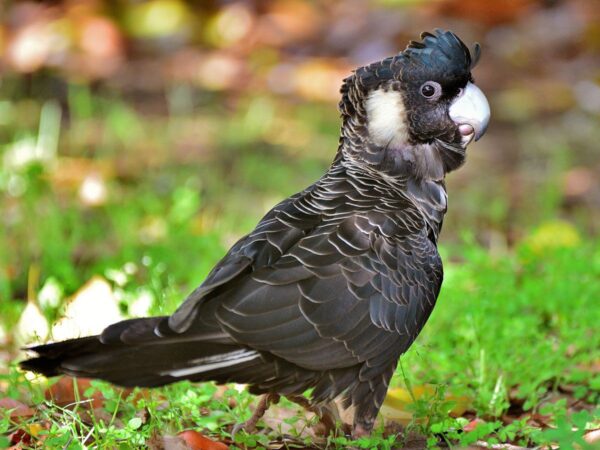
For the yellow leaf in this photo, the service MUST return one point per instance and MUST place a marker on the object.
(396, 406)
(35, 428)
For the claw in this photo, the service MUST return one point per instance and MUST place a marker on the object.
(250, 425)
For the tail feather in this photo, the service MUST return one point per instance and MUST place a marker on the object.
(131, 353)
(50, 355)
(146, 353)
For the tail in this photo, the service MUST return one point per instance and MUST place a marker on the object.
(143, 352)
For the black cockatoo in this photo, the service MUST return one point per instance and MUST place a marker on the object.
(335, 282)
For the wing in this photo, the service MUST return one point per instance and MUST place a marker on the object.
(280, 229)
(322, 286)
(283, 226)
(351, 293)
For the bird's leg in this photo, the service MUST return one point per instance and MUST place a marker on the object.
(367, 406)
(366, 413)
(328, 414)
(263, 404)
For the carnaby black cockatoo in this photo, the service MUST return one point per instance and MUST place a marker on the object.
(335, 282)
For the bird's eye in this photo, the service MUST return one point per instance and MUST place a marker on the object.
(431, 90)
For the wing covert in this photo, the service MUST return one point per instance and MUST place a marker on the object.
(276, 232)
(342, 296)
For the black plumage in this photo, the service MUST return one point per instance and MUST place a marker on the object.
(335, 282)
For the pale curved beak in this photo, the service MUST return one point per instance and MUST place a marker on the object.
(471, 112)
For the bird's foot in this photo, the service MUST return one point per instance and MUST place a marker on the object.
(250, 425)
(359, 431)
(362, 429)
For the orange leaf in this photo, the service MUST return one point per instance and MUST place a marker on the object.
(197, 441)
(473, 424)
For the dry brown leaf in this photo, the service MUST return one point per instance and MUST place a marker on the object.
(96, 415)
(63, 392)
(173, 443)
(17, 408)
(277, 418)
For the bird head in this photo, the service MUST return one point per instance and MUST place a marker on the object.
(425, 96)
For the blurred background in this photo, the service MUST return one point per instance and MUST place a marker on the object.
(140, 139)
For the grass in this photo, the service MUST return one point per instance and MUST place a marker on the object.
(510, 353)
(512, 335)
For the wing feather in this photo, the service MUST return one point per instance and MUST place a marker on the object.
(324, 287)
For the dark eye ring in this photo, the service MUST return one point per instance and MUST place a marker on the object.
(431, 90)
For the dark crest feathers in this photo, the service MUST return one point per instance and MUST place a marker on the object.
(438, 52)
(442, 48)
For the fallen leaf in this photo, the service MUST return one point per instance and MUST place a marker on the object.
(167, 443)
(63, 392)
(280, 419)
(35, 429)
(197, 441)
(592, 436)
(90, 311)
(143, 415)
(24, 437)
(473, 424)
(483, 444)
(17, 409)
(20, 437)
(396, 404)
(32, 325)
(96, 415)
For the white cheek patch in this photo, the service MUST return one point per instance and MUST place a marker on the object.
(386, 118)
